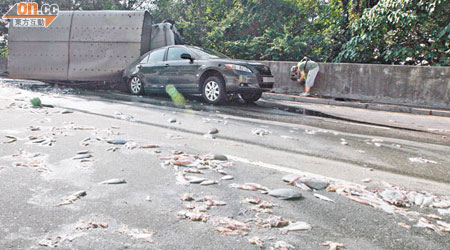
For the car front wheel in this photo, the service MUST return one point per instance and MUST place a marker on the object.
(251, 97)
(213, 90)
(135, 86)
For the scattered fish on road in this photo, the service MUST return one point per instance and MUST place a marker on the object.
(285, 194)
(297, 226)
(114, 181)
(117, 141)
(332, 245)
(323, 198)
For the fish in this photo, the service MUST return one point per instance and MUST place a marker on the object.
(332, 245)
(117, 141)
(193, 171)
(445, 227)
(290, 178)
(149, 146)
(426, 224)
(215, 203)
(285, 194)
(315, 183)
(207, 183)
(441, 204)
(195, 180)
(252, 200)
(427, 201)
(297, 226)
(404, 225)
(444, 211)
(114, 181)
(82, 156)
(323, 198)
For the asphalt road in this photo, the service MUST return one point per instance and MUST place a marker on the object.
(35, 177)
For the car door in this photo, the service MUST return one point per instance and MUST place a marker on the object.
(151, 71)
(180, 72)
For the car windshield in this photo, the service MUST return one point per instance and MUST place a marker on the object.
(208, 53)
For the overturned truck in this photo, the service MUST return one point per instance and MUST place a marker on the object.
(85, 46)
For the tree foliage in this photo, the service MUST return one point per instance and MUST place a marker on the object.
(367, 31)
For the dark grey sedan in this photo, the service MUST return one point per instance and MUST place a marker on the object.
(194, 70)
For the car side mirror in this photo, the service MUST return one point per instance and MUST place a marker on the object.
(187, 56)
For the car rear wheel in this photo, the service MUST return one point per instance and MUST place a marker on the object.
(251, 97)
(213, 90)
(135, 86)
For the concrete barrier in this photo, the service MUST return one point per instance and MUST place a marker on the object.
(3, 65)
(427, 87)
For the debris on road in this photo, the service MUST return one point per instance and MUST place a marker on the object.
(289, 138)
(208, 182)
(213, 131)
(112, 149)
(249, 187)
(149, 146)
(174, 137)
(82, 156)
(114, 181)
(54, 241)
(11, 139)
(281, 245)
(209, 136)
(426, 224)
(137, 234)
(332, 245)
(230, 227)
(285, 194)
(117, 141)
(36, 102)
(256, 241)
(227, 177)
(323, 198)
(193, 216)
(421, 160)
(297, 226)
(272, 221)
(123, 116)
(220, 157)
(261, 132)
(187, 197)
(67, 111)
(368, 180)
(314, 183)
(82, 225)
(194, 179)
(404, 225)
(310, 132)
(71, 199)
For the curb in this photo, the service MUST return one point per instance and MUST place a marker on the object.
(371, 106)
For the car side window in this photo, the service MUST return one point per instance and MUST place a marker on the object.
(156, 56)
(145, 59)
(175, 54)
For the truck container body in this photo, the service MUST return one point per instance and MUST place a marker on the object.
(80, 46)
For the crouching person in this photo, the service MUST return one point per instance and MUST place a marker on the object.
(308, 70)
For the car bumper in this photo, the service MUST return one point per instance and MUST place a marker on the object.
(248, 83)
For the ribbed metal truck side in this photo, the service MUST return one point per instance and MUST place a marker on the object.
(84, 46)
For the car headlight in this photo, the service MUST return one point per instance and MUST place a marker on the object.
(238, 68)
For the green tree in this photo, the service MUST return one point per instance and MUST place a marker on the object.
(401, 32)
